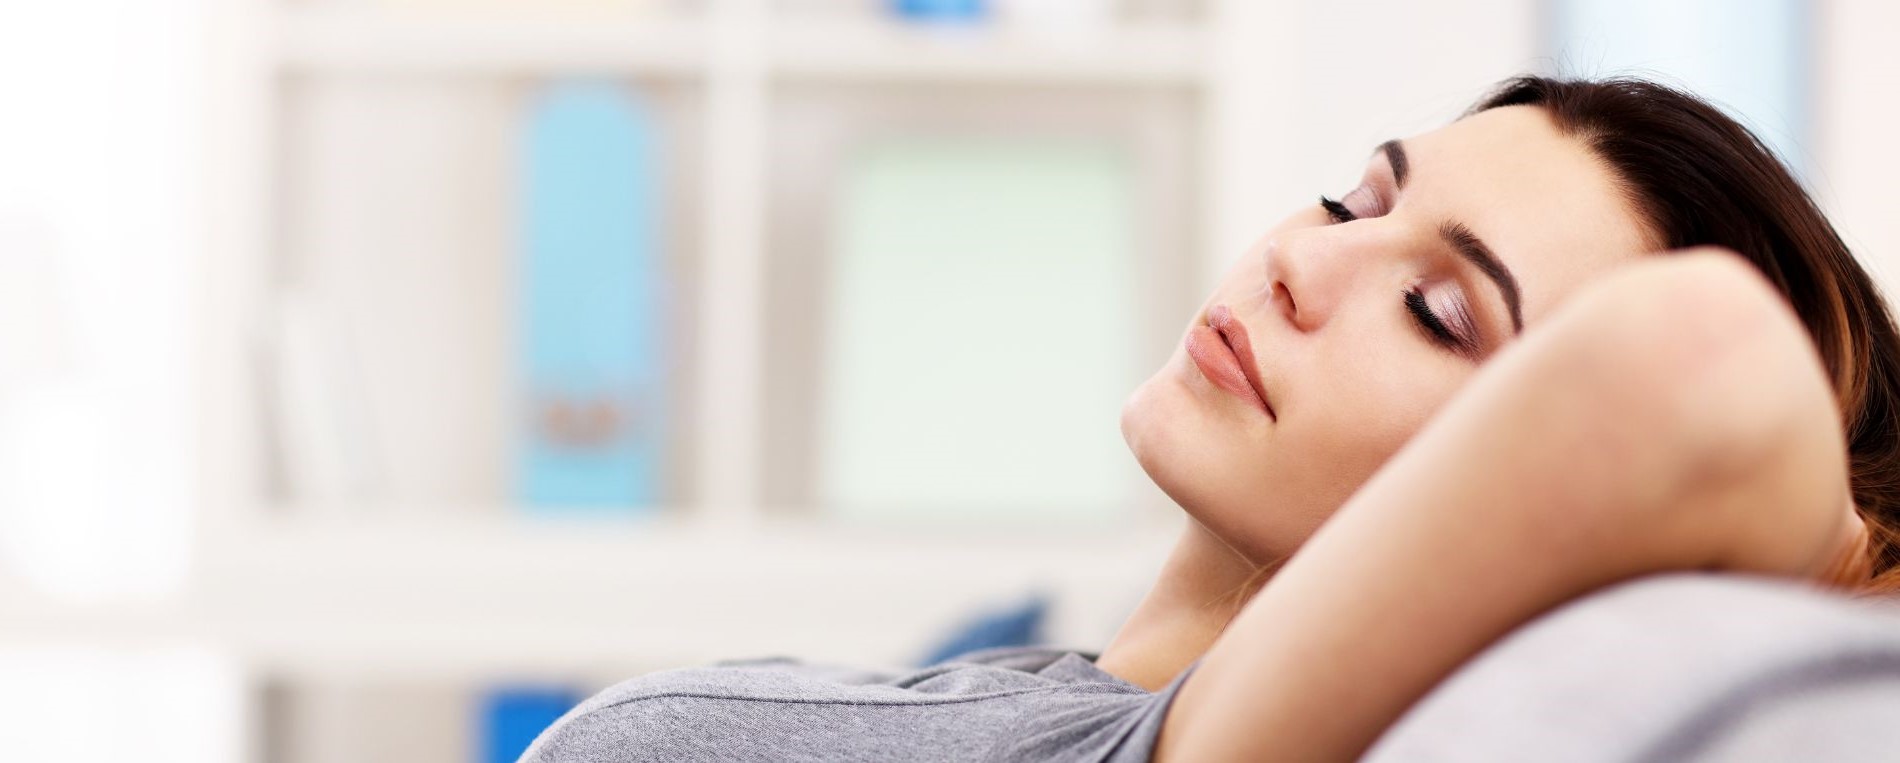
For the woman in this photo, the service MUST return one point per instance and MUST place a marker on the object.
(1463, 395)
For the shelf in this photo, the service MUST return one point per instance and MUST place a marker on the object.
(872, 50)
(484, 592)
(851, 49)
(506, 596)
(344, 40)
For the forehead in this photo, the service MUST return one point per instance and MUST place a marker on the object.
(1548, 207)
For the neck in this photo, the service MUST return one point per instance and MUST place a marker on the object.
(1202, 586)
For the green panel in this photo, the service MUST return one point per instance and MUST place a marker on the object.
(979, 336)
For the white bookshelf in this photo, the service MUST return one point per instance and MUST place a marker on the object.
(302, 590)
(1236, 66)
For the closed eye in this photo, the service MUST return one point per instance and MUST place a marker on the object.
(1435, 328)
(1439, 331)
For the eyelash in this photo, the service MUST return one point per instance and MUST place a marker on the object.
(1433, 326)
(1336, 210)
(1431, 323)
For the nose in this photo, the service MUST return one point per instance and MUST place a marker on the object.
(1312, 272)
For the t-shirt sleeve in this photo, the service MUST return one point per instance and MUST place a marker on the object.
(623, 732)
(1140, 744)
(1119, 728)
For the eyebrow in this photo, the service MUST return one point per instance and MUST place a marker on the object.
(1462, 240)
(1395, 155)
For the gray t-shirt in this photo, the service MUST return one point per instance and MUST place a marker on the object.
(1013, 704)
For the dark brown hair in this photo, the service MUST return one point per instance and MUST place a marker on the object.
(1704, 179)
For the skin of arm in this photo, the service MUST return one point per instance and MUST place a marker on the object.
(1671, 416)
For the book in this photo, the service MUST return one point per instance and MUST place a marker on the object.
(977, 352)
(512, 716)
(938, 11)
(593, 414)
(328, 456)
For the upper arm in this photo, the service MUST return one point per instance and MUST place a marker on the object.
(1625, 435)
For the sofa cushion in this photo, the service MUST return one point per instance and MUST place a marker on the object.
(1669, 668)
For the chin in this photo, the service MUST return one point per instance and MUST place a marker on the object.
(1169, 434)
(1210, 464)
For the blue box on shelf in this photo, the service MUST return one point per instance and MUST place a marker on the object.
(940, 10)
(511, 717)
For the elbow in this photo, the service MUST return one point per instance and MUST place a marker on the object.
(1703, 354)
(1723, 402)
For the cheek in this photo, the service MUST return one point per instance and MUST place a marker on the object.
(1361, 391)
(1371, 404)
(1356, 409)
(1392, 392)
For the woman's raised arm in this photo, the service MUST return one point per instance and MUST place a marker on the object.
(1671, 416)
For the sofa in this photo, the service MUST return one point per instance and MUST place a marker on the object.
(1688, 667)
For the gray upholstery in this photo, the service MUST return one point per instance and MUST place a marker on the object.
(1680, 667)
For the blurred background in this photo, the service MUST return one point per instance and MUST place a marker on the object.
(379, 377)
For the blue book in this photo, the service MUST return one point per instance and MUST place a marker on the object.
(512, 717)
(940, 10)
(592, 312)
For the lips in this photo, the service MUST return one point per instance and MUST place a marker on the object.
(1221, 350)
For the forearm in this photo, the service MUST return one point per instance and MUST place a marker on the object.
(1559, 470)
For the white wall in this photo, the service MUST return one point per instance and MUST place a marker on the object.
(1304, 91)
(1856, 115)
(100, 234)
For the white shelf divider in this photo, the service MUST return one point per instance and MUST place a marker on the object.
(242, 143)
(730, 302)
(520, 597)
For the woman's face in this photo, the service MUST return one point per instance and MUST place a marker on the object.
(1356, 323)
